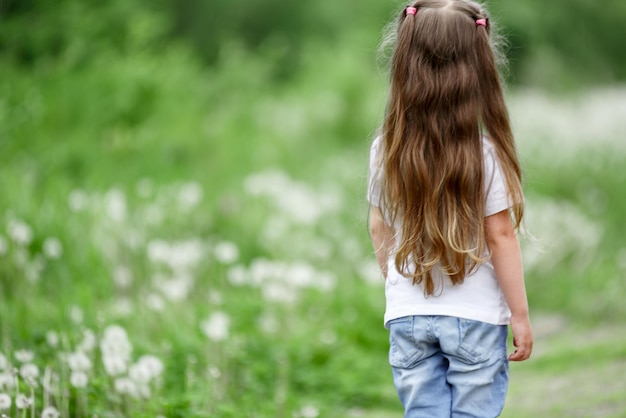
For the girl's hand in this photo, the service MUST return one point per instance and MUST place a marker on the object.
(522, 338)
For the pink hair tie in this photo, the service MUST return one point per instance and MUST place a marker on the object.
(411, 11)
(481, 22)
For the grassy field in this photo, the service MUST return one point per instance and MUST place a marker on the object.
(186, 242)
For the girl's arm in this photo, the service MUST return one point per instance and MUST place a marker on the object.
(507, 262)
(382, 236)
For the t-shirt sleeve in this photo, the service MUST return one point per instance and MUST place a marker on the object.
(374, 178)
(497, 196)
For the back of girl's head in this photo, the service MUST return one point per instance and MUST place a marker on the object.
(444, 90)
(444, 57)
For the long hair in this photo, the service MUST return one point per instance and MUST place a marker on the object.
(445, 90)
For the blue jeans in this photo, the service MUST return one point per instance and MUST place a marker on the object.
(447, 367)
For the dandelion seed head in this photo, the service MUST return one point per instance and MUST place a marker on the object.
(115, 205)
(52, 338)
(78, 200)
(52, 248)
(50, 412)
(155, 302)
(78, 361)
(226, 252)
(152, 364)
(328, 337)
(180, 256)
(7, 380)
(269, 324)
(216, 327)
(143, 391)
(237, 275)
(215, 297)
(116, 350)
(125, 386)
(76, 315)
(29, 371)
(114, 365)
(88, 343)
(308, 411)
(22, 401)
(189, 196)
(5, 401)
(301, 274)
(175, 289)
(24, 356)
(34, 268)
(122, 277)
(79, 379)
(123, 306)
(215, 372)
(325, 282)
(139, 374)
(20, 232)
(279, 293)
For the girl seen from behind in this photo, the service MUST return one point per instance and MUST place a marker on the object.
(445, 204)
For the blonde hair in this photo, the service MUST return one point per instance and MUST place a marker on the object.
(445, 89)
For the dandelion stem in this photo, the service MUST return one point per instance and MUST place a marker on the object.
(32, 402)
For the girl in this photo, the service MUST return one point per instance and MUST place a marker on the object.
(445, 204)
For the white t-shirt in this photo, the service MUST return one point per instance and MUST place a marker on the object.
(479, 297)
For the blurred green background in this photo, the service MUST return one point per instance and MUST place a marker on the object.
(183, 216)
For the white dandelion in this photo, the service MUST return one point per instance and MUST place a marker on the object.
(216, 326)
(79, 379)
(5, 401)
(29, 372)
(52, 338)
(215, 372)
(189, 196)
(114, 365)
(226, 252)
(123, 277)
(123, 306)
(22, 401)
(78, 200)
(116, 350)
(88, 343)
(115, 205)
(309, 411)
(139, 374)
(269, 324)
(237, 275)
(125, 386)
(7, 380)
(24, 356)
(20, 232)
(155, 302)
(175, 289)
(52, 248)
(78, 361)
(76, 314)
(152, 366)
(50, 412)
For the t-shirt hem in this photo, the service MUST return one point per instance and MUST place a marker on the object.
(443, 310)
